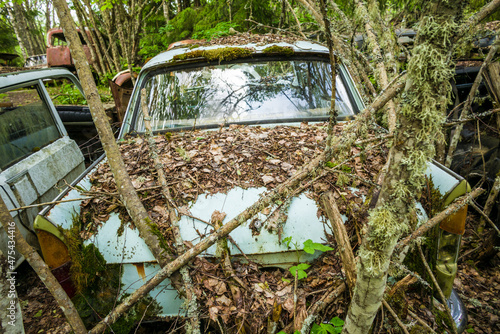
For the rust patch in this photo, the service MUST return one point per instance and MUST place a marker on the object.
(140, 270)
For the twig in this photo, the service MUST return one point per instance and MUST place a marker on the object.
(420, 321)
(451, 209)
(467, 107)
(391, 311)
(438, 288)
(472, 117)
(48, 203)
(485, 216)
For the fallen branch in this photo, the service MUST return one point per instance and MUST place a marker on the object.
(450, 209)
(473, 117)
(344, 245)
(485, 217)
(43, 271)
(48, 203)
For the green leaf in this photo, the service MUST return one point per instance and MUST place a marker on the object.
(308, 246)
(38, 314)
(285, 280)
(470, 330)
(303, 266)
(337, 322)
(329, 164)
(287, 241)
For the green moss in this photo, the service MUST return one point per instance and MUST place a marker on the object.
(161, 239)
(221, 54)
(87, 263)
(98, 285)
(279, 50)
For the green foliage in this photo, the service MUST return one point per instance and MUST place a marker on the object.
(8, 41)
(310, 247)
(69, 94)
(334, 327)
(300, 270)
(222, 54)
(220, 30)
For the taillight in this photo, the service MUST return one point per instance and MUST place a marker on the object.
(448, 245)
(55, 253)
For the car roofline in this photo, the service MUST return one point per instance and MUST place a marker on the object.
(18, 78)
(299, 46)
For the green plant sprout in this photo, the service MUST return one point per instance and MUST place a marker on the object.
(333, 327)
(299, 271)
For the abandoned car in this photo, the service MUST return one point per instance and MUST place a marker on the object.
(230, 122)
(36, 155)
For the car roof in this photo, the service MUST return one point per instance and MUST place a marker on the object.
(298, 46)
(16, 78)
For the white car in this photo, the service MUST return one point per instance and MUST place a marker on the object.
(214, 87)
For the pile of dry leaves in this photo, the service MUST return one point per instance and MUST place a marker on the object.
(199, 163)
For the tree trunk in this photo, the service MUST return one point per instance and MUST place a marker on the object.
(420, 119)
(36, 262)
(108, 22)
(166, 10)
(127, 192)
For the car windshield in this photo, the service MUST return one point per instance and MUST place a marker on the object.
(242, 92)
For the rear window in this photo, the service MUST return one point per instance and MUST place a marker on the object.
(26, 125)
(242, 92)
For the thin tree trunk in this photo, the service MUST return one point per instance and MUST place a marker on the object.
(83, 24)
(191, 302)
(420, 119)
(381, 71)
(47, 16)
(108, 19)
(42, 270)
(166, 10)
(127, 192)
(100, 44)
(18, 31)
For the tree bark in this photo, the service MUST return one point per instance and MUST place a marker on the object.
(124, 185)
(420, 120)
(381, 71)
(42, 270)
(344, 245)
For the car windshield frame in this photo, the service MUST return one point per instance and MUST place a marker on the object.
(135, 108)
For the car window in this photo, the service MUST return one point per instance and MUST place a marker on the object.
(242, 92)
(26, 124)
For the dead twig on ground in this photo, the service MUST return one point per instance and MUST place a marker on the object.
(391, 311)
